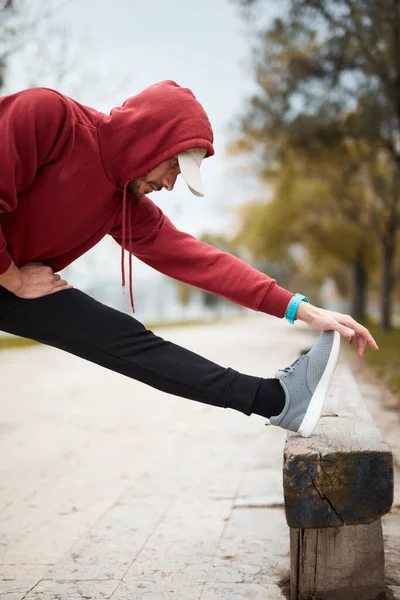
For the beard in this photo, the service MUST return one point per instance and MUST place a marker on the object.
(134, 187)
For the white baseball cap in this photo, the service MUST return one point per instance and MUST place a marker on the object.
(189, 164)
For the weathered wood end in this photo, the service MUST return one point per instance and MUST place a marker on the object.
(337, 485)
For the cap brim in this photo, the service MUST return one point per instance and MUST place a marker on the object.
(190, 171)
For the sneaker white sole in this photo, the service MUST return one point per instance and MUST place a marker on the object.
(316, 405)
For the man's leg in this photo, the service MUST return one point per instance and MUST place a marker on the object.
(75, 322)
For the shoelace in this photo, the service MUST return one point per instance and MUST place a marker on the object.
(287, 370)
(291, 367)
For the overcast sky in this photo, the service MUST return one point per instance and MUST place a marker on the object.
(202, 45)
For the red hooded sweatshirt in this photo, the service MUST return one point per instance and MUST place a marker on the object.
(64, 171)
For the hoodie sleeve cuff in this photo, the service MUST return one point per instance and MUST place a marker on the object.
(5, 261)
(275, 301)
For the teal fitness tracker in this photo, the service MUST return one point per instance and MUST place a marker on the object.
(293, 306)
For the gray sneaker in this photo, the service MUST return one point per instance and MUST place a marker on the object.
(305, 383)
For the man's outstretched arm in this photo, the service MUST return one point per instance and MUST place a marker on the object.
(158, 243)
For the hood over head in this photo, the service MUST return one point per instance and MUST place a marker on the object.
(151, 127)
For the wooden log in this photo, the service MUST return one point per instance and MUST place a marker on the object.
(343, 474)
(337, 485)
(338, 563)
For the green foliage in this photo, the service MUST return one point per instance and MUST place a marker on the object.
(15, 342)
(318, 204)
(386, 361)
(326, 122)
(185, 291)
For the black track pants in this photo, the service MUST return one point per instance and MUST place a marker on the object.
(75, 322)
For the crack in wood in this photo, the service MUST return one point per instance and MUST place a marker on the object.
(323, 497)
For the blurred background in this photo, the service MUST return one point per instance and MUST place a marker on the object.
(304, 99)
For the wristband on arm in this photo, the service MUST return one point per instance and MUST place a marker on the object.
(293, 306)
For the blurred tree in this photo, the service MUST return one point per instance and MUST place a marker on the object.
(226, 244)
(48, 52)
(8, 34)
(319, 204)
(49, 55)
(212, 302)
(185, 291)
(331, 72)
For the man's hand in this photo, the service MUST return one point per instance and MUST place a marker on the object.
(34, 280)
(344, 324)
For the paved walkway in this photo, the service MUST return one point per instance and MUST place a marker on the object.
(109, 489)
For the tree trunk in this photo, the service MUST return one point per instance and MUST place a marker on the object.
(359, 300)
(387, 282)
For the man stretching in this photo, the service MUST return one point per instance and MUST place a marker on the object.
(71, 175)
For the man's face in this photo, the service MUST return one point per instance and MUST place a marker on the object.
(163, 176)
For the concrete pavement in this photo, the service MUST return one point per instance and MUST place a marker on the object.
(110, 489)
